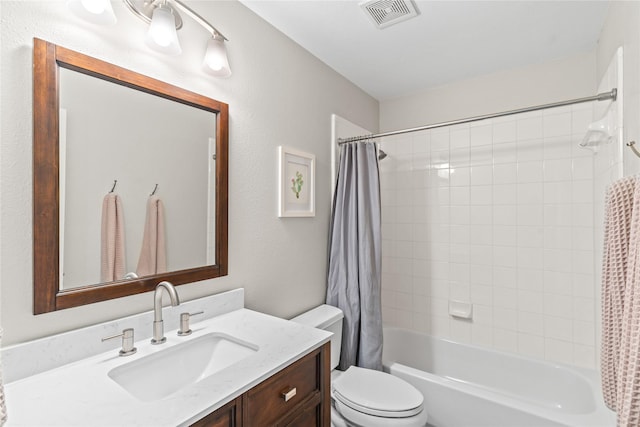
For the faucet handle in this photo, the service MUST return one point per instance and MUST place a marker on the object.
(127, 342)
(184, 323)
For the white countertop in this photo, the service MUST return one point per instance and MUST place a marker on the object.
(82, 394)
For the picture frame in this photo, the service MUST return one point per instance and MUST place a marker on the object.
(296, 183)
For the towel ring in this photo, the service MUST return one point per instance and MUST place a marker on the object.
(154, 190)
(631, 144)
(115, 181)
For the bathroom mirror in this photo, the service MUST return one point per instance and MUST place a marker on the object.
(165, 140)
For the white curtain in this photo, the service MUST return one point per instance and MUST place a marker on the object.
(355, 256)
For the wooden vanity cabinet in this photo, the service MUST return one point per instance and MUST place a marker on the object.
(297, 396)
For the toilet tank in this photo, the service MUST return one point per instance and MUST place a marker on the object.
(328, 318)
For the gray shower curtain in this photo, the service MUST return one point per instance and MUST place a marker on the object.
(355, 256)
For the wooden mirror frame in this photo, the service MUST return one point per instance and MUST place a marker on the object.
(47, 296)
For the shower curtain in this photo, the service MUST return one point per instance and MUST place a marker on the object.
(355, 256)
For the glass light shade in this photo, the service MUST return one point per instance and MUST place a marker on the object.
(95, 11)
(162, 35)
(215, 59)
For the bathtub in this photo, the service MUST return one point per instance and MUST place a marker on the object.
(468, 386)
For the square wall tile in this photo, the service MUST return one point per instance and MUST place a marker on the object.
(531, 215)
(530, 193)
(558, 169)
(481, 294)
(504, 132)
(531, 345)
(505, 173)
(531, 323)
(505, 235)
(558, 328)
(558, 147)
(530, 150)
(459, 157)
(481, 175)
(531, 306)
(459, 176)
(459, 138)
(439, 140)
(505, 340)
(481, 215)
(557, 192)
(481, 335)
(481, 135)
(505, 276)
(530, 236)
(557, 124)
(529, 128)
(530, 279)
(558, 351)
(505, 153)
(530, 171)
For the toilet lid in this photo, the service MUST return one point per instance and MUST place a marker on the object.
(377, 393)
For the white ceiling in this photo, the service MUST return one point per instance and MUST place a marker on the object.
(450, 40)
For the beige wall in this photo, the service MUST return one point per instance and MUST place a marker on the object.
(621, 29)
(279, 94)
(559, 80)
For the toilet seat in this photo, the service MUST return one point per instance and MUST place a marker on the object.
(377, 394)
(344, 416)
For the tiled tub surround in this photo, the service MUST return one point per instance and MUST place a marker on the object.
(498, 213)
(74, 388)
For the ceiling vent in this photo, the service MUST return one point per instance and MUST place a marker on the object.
(384, 13)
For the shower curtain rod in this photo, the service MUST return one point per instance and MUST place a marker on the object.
(599, 97)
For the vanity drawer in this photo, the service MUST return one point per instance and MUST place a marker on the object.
(285, 391)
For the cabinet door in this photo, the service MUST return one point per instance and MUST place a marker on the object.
(307, 417)
(230, 415)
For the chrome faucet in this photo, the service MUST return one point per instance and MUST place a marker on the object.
(158, 325)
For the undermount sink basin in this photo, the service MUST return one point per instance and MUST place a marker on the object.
(165, 372)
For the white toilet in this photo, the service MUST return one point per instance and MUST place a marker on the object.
(364, 397)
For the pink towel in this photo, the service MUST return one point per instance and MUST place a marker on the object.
(153, 258)
(112, 254)
(620, 358)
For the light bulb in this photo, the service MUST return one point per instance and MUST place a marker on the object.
(215, 59)
(162, 35)
(96, 11)
(94, 6)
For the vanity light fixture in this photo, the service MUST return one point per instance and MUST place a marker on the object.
(164, 21)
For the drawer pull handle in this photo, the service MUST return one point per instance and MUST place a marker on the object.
(289, 394)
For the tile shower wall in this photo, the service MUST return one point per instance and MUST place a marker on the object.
(498, 213)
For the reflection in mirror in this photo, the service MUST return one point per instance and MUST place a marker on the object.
(163, 139)
(108, 133)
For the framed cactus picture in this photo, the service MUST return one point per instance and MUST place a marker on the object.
(296, 188)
